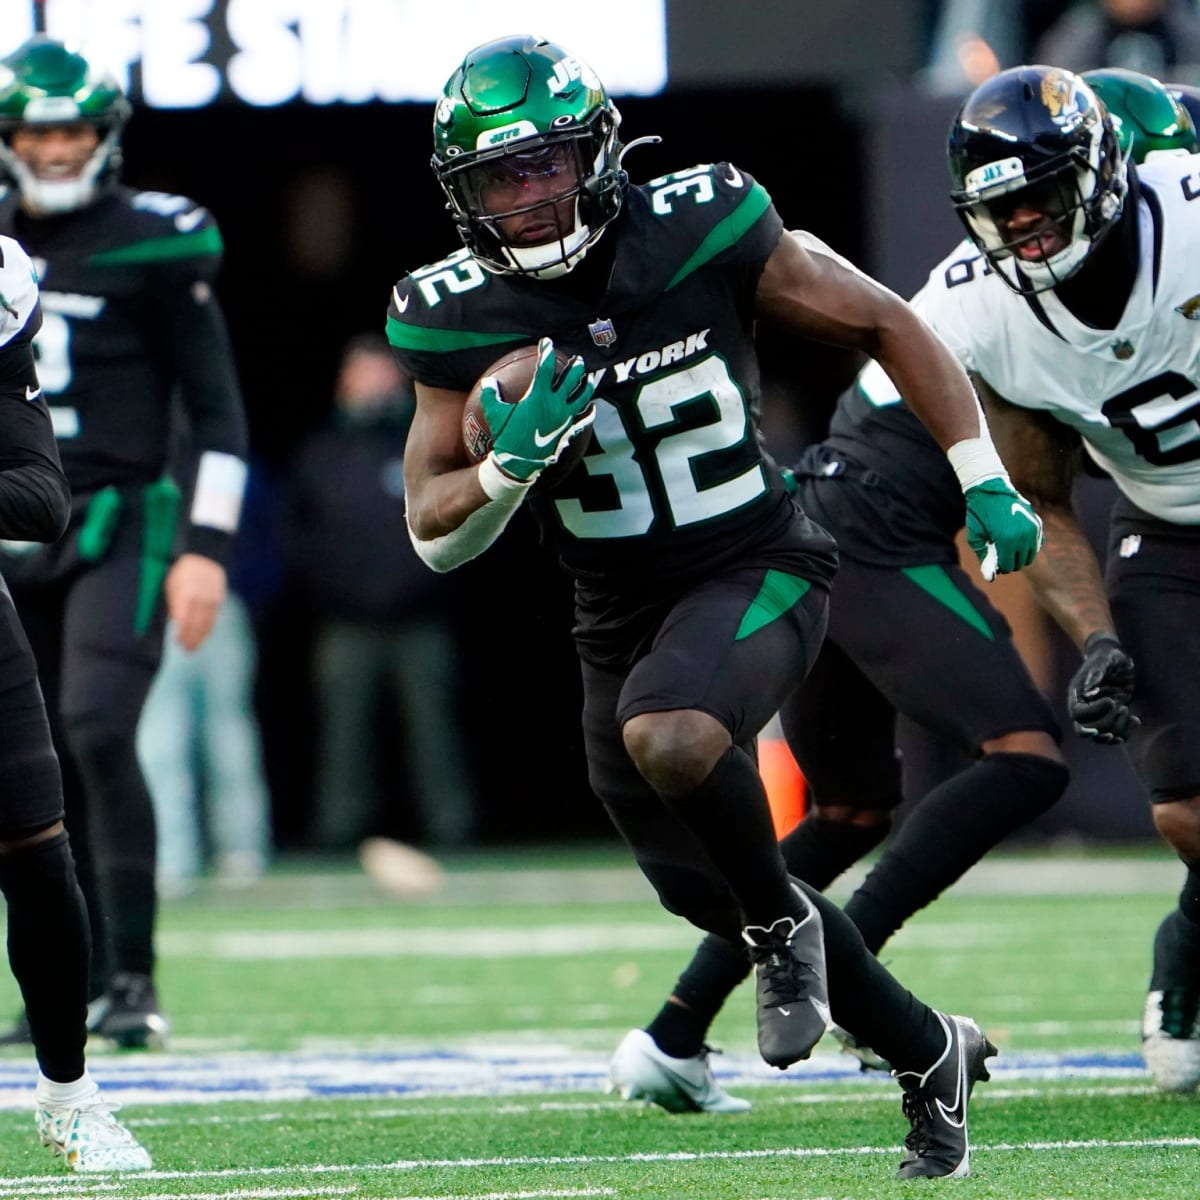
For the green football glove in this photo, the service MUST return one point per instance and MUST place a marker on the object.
(1002, 527)
(531, 434)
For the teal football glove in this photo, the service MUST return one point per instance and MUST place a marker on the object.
(1002, 527)
(532, 433)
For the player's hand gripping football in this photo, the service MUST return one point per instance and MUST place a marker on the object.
(531, 434)
(1002, 527)
(1100, 692)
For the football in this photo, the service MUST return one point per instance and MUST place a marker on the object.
(514, 372)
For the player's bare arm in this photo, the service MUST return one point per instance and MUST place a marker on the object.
(1043, 457)
(819, 295)
(441, 485)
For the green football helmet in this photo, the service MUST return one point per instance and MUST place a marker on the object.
(45, 83)
(1150, 122)
(517, 113)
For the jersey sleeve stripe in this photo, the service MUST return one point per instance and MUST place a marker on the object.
(414, 337)
(727, 232)
(202, 243)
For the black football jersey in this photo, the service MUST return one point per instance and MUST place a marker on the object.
(34, 497)
(129, 322)
(675, 478)
(880, 483)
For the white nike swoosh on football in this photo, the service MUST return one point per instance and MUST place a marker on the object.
(542, 440)
(32, 393)
(188, 221)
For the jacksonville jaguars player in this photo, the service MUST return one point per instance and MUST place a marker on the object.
(1086, 265)
(129, 321)
(37, 872)
(700, 587)
(944, 657)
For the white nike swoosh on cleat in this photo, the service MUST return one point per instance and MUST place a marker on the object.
(956, 1113)
(548, 439)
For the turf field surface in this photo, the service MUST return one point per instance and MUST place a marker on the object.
(331, 1042)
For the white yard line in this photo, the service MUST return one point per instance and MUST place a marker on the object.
(11, 1184)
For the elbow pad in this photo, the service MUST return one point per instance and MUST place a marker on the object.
(480, 529)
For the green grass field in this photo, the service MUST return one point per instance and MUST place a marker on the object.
(331, 1042)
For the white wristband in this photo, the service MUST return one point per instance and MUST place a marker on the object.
(498, 485)
(975, 460)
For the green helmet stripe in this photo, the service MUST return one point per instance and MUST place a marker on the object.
(727, 232)
(163, 249)
(444, 341)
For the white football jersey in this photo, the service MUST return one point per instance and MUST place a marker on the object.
(1133, 393)
(18, 289)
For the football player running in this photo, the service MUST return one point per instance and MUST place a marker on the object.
(129, 322)
(701, 589)
(1085, 263)
(48, 935)
(944, 658)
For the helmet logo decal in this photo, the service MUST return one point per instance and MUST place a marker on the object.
(444, 111)
(1061, 99)
(506, 133)
(567, 71)
(990, 174)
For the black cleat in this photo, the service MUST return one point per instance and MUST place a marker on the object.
(936, 1104)
(789, 975)
(131, 1017)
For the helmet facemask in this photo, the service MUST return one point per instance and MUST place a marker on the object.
(49, 196)
(1038, 185)
(46, 85)
(484, 193)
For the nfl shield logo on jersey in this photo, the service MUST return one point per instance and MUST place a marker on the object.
(602, 331)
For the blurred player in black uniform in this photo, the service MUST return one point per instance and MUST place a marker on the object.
(943, 657)
(129, 321)
(700, 587)
(48, 935)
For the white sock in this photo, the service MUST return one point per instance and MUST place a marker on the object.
(65, 1095)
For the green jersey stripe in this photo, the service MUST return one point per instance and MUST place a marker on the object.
(413, 337)
(726, 232)
(163, 249)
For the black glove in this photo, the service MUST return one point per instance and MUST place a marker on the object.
(1100, 692)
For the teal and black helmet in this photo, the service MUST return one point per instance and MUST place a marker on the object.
(43, 82)
(520, 109)
(1150, 121)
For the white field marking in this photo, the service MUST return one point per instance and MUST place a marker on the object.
(250, 1194)
(501, 1195)
(790, 1099)
(548, 941)
(9, 1183)
(471, 1068)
